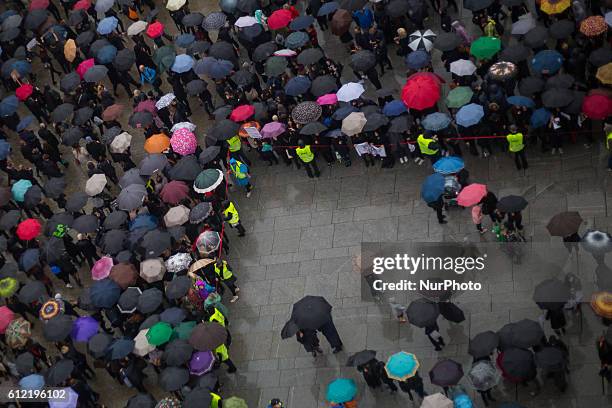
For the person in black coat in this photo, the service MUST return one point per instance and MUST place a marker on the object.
(309, 339)
(87, 249)
(415, 384)
(557, 320)
(375, 375)
(331, 334)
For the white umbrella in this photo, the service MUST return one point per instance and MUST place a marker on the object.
(422, 40)
(462, 67)
(350, 91)
(208, 242)
(188, 125)
(102, 6)
(524, 24)
(353, 123)
(137, 28)
(121, 142)
(437, 401)
(178, 262)
(95, 185)
(285, 53)
(246, 21)
(176, 216)
(609, 18)
(483, 375)
(165, 101)
(142, 347)
(174, 5)
(152, 270)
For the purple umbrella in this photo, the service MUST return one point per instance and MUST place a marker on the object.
(201, 362)
(84, 328)
(68, 400)
(273, 130)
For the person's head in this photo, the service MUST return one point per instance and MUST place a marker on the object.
(401, 33)
(301, 143)
(232, 161)
(91, 165)
(80, 236)
(372, 30)
(42, 126)
(513, 128)
(141, 68)
(276, 403)
(225, 203)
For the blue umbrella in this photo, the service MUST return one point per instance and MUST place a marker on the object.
(328, 8)
(518, 100)
(146, 221)
(436, 121)
(173, 315)
(394, 108)
(107, 25)
(104, 293)
(418, 59)
(401, 366)
(540, 117)
(19, 189)
(25, 122)
(297, 85)
(120, 348)
(296, 40)
(182, 63)
(29, 258)
(184, 40)
(22, 67)
(341, 390)
(215, 68)
(469, 115)
(301, 23)
(60, 31)
(106, 54)
(5, 149)
(547, 61)
(432, 187)
(344, 111)
(32, 382)
(7, 14)
(8, 105)
(448, 165)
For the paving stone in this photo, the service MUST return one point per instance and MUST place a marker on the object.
(286, 241)
(348, 233)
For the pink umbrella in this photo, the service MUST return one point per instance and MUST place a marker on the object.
(102, 268)
(471, 195)
(273, 130)
(285, 53)
(6, 316)
(183, 142)
(39, 4)
(327, 99)
(146, 106)
(85, 66)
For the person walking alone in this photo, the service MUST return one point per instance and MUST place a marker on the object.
(240, 171)
(307, 157)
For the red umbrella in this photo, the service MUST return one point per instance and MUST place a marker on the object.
(24, 92)
(173, 192)
(279, 19)
(146, 106)
(82, 5)
(155, 29)
(6, 316)
(597, 106)
(85, 66)
(39, 4)
(112, 112)
(28, 229)
(242, 112)
(421, 91)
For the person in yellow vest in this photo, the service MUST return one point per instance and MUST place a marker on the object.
(307, 157)
(240, 171)
(429, 147)
(230, 214)
(608, 130)
(215, 401)
(235, 149)
(224, 274)
(222, 352)
(516, 145)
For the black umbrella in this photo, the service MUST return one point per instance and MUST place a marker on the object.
(447, 41)
(446, 373)
(562, 29)
(192, 19)
(422, 313)
(97, 45)
(173, 315)
(224, 129)
(600, 57)
(301, 23)
(177, 352)
(514, 53)
(178, 287)
(223, 112)
(551, 358)
(352, 5)
(149, 322)
(243, 78)
(70, 82)
(363, 61)
(195, 87)
(31, 291)
(124, 59)
(128, 301)
(59, 372)
(131, 197)
(560, 81)
(551, 294)
(10, 219)
(95, 74)
(141, 401)
(10, 34)
(311, 312)
(275, 65)
(197, 397)
(525, 333)
(263, 51)
(483, 344)
(530, 86)
(451, 312)
(76, 201)
(375, 121)
(361, 358)
(32, 197)
(310, 56)
(114, 241)
(25, 363)
(149, 300)
(173, 378)
(120, 348)
(400, 124)
(53, 249)
(110, 134)
(198, 47)
(28, 259)
(536, 37)
(511, 203)
(557, 97)
(313, 128)
(62, 112)
(86, 224)
(397, 8)
(82, 116)
(222, 50)
(76, 17)
(54, 187)
(475, 5)
(57, 328)
(186, 169)
(518, 363)
(35, 19)
(209, 154)
(289, 330)
(98, 344)
(132, 176)
(116, 219)
(322, 85)
(85, 38)
(152, 163)
(63, 218)
(72, 136)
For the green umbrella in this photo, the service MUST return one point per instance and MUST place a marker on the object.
(208, 180)
(485, 47)
(159, 333)
(164, 57)
(459, 96)
(183, 330)
(276, 65)
(234, 402)
(8, 287)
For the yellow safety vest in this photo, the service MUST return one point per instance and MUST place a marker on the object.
(214, 403)
(236, 170)
(222, 352)
(424, 145)
(225, 273)
(231, 210)
(515, 141)
(305, 153)
(608, 140)
(234, 143)
(217, 317)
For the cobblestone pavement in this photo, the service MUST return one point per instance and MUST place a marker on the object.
(302, 238)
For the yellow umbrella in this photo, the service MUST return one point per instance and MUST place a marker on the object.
(70, 50)
(555, 6)
(601, 302)
(604, 74)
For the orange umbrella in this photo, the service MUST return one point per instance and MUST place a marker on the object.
(252, 124)
(601, 302)
(593, 26)
(158, 143)
(112, 112)
(70, 50)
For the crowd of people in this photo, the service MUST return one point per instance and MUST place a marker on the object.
(146, 241)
